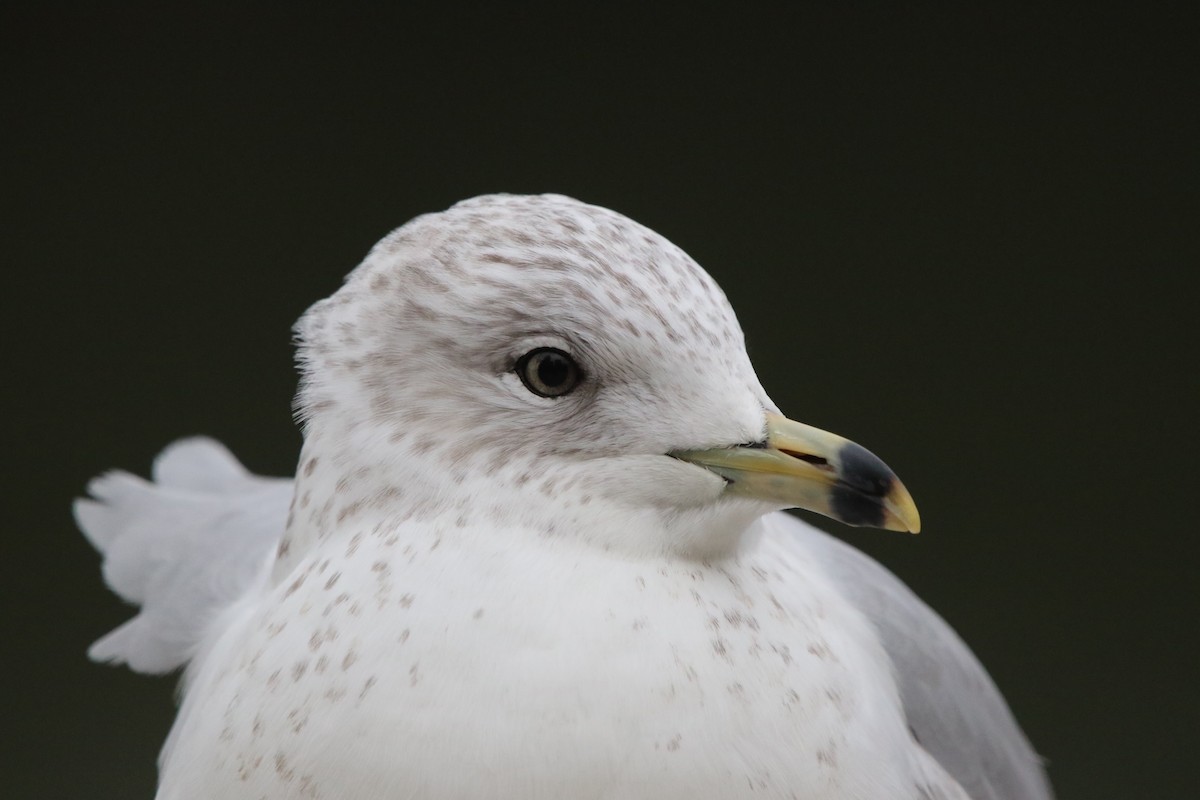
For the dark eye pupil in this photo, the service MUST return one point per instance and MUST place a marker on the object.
(548, 372)
(553, 370)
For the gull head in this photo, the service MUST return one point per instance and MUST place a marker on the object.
(543, 363)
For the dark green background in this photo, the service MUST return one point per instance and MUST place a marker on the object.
(962, 238)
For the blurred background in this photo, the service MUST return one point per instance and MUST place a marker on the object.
(963, 238)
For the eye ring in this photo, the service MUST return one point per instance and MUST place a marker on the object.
(548, 372)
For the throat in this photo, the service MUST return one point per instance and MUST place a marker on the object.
(628, 509)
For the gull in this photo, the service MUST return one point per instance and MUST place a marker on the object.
(535, 547)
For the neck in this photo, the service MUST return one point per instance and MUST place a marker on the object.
(357, 482)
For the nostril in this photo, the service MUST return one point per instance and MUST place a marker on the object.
(816, 461)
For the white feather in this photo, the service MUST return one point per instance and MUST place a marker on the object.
(183, 547)
(954, 709)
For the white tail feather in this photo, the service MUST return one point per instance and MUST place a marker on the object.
(183, 547)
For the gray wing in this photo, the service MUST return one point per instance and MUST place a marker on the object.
(183, 547)
(954, 709)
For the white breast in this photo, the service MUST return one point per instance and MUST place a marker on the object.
(455, 668)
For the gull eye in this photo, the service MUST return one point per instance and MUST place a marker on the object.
(548, 372)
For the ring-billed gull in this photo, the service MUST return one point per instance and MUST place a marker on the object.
(534, 549)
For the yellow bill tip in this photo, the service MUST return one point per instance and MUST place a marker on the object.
(901, 511)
